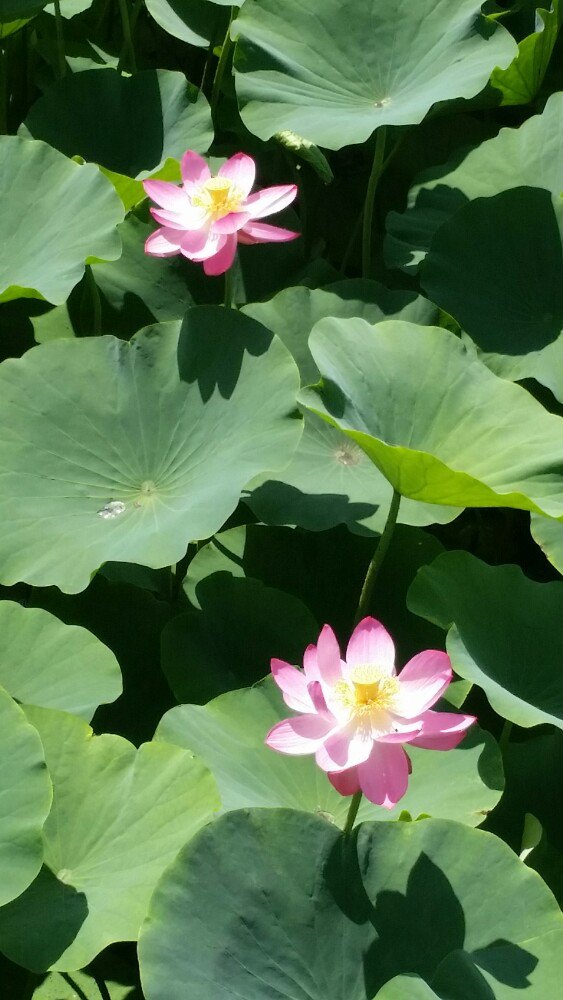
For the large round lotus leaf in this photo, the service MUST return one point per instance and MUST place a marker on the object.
(496, 266)
(228, 642)
(56, 216)
(530, 156)
(196, 22)
(119, 817)
(438, 424)
(339, 916)
(109, 454)
(331, 481)
(148, 118)
(293, 312)
(25, 794)
(505, 632)
(228, 734)
(45, 662)
(335, 70)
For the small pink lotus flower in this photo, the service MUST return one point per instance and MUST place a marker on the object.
(357, 713)
(206, 217)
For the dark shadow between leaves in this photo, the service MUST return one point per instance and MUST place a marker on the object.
(279, 504)
(212, 344)
(46, 918)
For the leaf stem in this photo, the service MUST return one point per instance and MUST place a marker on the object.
(221, 65)
(352, 813)
(376, 171)
(228, 299)
(378, 557)
(60, 40)
(3, 90)
(128, 47)
(96, 302)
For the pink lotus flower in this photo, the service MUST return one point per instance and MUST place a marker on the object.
(357, 713)
(206, 217)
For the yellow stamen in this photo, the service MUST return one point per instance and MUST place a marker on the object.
(367, 691)
(219, 196)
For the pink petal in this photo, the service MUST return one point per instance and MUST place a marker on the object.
(230, 223)
(422, 680)
(402, 732)
(222, 260)
(241, 169)
(188, 217)
(167, 195)
(261, 232)
(328, 657)
(370, 642)
(193, 242)
(212, 246)
(345, 782)
(384, 777)
(163, 243)
(343, 749)
(442, 730)
(318, 699)
(310, 664)
(270, 200)
(293, 685)
(194, 170)
(301, 735)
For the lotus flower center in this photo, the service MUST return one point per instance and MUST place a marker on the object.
(219, 196)
(368, 689)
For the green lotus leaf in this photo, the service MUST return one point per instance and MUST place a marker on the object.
(110, 453)
(335, 71)
(229, 641)
(196, 22)
(56, 216)
(129, 621)
(504, 632)
(104, 850)
(437, 423)
(13, 10)
(340, 916)
(293, 312)
(25, 793)
(82, 986)
(530, 156)
(305, 565)
(10, 27)
(44, 662)
(403, 987)
(548, 533)
(510, 303)
(522, 80)
(329, 480)
(228, 734)
(150, 119)
(533, 788)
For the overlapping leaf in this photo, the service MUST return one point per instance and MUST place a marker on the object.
(444, 429)
(45, 662)
(25, 794)
(119, 817)
(56, 216)
(339, 916)
(504, 632)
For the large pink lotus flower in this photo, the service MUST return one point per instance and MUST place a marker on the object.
(358, 713)
(206, 217)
